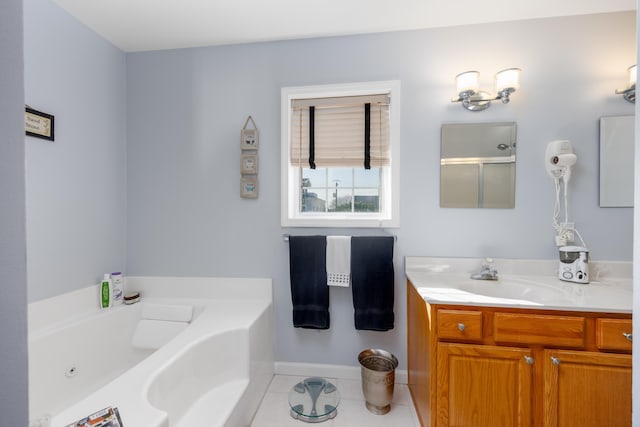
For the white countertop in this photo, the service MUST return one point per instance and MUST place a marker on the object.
(521, 284)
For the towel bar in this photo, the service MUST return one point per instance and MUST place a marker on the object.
(285, 237)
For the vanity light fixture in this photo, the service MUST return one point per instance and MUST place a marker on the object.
(474, 99)
(629, 93)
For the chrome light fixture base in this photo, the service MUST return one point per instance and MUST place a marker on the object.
(628, 94)
(481, 100)
(474, 101)
(504, 94)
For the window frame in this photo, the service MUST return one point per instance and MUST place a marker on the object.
(389, 215)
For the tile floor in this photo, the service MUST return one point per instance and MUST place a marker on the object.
(274, 409)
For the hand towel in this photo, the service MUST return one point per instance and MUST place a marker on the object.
(339, 261)
(372, 280)
(308, 276)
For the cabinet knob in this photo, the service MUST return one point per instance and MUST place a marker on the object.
(628, 335)
(555, 360)
(528, 359)
(461, 327)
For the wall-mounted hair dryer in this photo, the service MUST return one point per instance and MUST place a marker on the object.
(559, 158)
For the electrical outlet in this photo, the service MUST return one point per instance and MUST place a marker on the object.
(568, 231)
(560, 241)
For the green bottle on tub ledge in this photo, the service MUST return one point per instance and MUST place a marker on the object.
(106, 292)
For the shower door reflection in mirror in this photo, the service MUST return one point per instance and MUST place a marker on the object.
(478, 165)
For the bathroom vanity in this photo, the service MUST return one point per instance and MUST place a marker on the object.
(524, 350)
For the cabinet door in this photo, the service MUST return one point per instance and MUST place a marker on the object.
(484, 386)
(586, 389)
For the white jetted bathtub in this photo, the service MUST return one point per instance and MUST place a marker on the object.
(192, 352)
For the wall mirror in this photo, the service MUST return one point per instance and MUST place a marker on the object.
(616, 161)
(478, 165)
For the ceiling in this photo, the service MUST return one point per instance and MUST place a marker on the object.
(139, 25)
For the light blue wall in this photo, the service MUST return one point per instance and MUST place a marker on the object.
(76, 186)
(185, 109)
(13, 267)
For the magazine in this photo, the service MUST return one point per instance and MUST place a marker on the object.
(107, 417)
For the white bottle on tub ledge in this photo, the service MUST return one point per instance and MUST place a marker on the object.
(106, 292)
(118, 288)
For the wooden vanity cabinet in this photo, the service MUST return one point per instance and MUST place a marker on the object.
(472, 366)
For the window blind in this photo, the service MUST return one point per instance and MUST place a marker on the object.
(339, 131)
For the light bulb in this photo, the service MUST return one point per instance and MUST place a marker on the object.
(467, 82)
(632, 75)
(508, 79)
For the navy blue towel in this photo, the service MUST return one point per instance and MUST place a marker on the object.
(372, 280)
(308, 274)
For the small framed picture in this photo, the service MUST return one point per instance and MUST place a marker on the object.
(249, 187)
(38, 124)
(249, 139)
(249, 163)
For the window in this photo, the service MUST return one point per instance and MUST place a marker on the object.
(340, 155)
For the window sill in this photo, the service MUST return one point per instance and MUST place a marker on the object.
(340, 222)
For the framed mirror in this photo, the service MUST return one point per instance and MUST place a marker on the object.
(478, 165)
(616, 161)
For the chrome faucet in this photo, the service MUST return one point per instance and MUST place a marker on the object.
(487, 271)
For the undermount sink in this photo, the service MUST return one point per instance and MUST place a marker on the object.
(504, 291)
(514, 290)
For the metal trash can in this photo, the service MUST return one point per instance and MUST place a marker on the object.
(378, 377)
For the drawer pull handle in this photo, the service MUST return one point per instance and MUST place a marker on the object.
(628, 335)
(528, 359)
(461, 327)
(555, 360)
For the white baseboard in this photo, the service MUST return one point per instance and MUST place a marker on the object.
(329, 371)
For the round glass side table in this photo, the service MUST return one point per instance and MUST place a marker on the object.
(314, 400)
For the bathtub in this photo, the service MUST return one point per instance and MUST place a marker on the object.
(213, 372)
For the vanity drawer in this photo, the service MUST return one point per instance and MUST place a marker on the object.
(611, 334)
(565, 331)
(460, 324)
